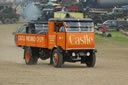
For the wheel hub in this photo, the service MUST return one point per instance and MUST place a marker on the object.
(55, 58)
(27, 56)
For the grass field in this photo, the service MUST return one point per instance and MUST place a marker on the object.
(116, 36)
(116, 39)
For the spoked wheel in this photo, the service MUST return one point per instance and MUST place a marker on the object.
(91, 60)
(29, 56)
(57, 58)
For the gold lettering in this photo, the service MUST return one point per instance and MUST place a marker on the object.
(21, 38)
(70, 40)
(40, 39)
(82, 40)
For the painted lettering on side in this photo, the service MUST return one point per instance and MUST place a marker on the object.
(21, 38)
(81, 40)
(31, 38)
(52, 39)
(40, 39)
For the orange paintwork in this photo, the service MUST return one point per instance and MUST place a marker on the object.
(55, 58)
(51, 40)
(54, 36)
(61, 39)
(66, 40)
(78, 40)
(27, 55)
(30, 40)
(51, 35)
(34, 40)
(20, 39)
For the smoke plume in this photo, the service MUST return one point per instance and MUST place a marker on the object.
(31, 12)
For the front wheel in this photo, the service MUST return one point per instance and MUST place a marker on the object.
(29, 56)
(91, 60)
(57, 58)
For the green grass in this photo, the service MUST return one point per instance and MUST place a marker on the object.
(116, 37)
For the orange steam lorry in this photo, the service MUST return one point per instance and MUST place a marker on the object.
(61, 40)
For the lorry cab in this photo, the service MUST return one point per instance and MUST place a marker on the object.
(74, 37)
(72, 34)
(66, 40)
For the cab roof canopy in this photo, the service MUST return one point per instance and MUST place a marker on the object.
(70, 19)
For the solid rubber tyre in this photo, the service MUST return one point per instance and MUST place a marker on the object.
(57, 58)
(91, 60)
(29, 56)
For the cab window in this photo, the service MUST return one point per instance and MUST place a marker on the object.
(79, 26)
(61, 29)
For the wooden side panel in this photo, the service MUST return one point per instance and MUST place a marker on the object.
(30, 40)
(42, 41)
(20, 39)
(34, 40)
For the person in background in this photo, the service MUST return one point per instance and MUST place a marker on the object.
(68, 16)
(64, 9)
(104, 29)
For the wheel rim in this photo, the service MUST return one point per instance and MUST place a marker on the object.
(55, 58)
(27, 56)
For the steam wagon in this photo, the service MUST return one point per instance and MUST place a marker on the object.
(61, 40)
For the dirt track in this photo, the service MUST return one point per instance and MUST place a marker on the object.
(111, 67)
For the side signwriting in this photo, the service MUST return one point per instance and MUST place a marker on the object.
(52, 39)
(30, 38)
(81, 40)
(21, 37)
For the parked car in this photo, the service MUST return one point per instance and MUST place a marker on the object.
(114, 25)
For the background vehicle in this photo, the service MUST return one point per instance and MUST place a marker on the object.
(114, 25)
(103, 3)
(47, 13)
(7, 14)
(117, 13)
(99, 16)
(61, 40)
